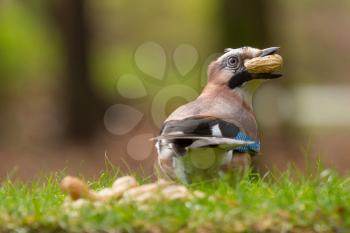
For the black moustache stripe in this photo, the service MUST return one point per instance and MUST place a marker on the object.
(239, 78)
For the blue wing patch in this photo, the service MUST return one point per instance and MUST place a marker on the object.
(254, 147)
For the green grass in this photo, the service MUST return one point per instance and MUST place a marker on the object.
(274, 203)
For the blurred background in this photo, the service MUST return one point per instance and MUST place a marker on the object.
(82, 81)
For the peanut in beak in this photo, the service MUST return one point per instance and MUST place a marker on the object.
(266, 64)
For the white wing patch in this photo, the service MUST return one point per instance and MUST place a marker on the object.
(215, 131)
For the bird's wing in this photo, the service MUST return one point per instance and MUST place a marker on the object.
(206, 141)
(201, 126)
(198, 132)
(222, 143)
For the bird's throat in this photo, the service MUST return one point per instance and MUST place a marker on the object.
(248, 89)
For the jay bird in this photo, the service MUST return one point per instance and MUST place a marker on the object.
(216, 132)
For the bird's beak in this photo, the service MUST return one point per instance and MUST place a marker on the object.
(263, 66)
(266, 76)
(269, 51)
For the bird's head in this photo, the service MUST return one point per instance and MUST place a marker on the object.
(237, 67)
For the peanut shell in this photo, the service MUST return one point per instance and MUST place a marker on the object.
(266, 64)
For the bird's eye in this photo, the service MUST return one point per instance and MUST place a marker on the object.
(232, 61)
